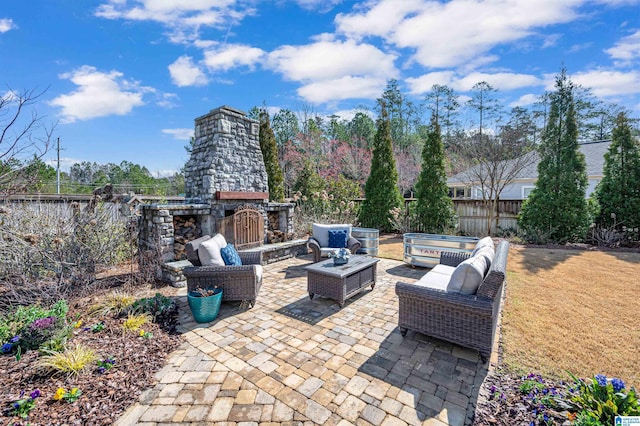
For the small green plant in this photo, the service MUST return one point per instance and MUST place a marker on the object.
(115, 304)
(70, 396)
(599, 400)
(97, 327)
(23, 406)
(15, 321)
(58, 342)
(528, 385)
(71, 362)
(163, 309)
(135, 321)
(105, 364)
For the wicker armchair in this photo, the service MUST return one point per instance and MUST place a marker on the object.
(237, 282)
(318, 245)
(467, 320)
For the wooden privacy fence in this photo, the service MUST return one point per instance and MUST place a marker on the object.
(472, 217)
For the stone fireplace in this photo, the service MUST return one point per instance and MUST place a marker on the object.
(224, 173)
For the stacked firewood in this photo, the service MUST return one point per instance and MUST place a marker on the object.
(185, 229)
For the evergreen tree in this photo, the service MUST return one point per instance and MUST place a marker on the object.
(557, 209)
(269, 148)
(434, 208)
(381, 190)
(619, 191)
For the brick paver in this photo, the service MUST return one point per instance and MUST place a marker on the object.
(290, 360)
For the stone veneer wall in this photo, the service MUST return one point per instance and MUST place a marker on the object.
(226, 156)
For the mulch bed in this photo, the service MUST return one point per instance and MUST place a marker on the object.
(104, 396)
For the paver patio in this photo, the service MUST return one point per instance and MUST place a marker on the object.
(290, 360)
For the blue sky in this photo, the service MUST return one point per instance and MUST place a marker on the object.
(126, 78)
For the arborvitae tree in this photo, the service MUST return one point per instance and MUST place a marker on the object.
(308, 180)
(434, 208)
(619, 191)
(381, 190)
(269, 148)
(557, 209)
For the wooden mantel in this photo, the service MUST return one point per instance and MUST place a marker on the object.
(241, 195)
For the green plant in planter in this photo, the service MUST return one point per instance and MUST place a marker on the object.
(205, 303)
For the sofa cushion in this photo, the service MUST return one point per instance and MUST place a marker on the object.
(258, 270)
(468, 275)
(488, 254)
(321, 232)
(434, 280)
(209, 251)
(230, 256)
(484, 242)
(337, 238)
(443, 269)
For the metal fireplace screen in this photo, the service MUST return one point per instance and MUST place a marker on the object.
(245, 228)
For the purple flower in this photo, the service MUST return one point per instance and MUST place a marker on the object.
(14, 339)
(6, 348)
(16, 405)
(43, 322)
(35, 394)
(617, 384)
(101, 370)
(601, 379)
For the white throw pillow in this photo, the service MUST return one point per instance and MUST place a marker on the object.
(209, 252)
(488, 254)
(484, 242)
(468, 275)
(321, 232)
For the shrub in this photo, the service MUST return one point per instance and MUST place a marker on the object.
(599, 400)
(115, 304)
(70, 362)
(50, 250)
(163, 310)
(135, 321)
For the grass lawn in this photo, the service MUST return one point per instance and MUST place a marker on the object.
(567, 310)
(572, 310)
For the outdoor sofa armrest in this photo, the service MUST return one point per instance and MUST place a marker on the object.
(314, 246)
(463, 302)
(353, 245)
(452, 258)
(250, 257)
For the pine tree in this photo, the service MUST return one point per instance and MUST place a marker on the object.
(268, 146)
(381, 190)
(619, 191)
(434, 208)
(556, 210)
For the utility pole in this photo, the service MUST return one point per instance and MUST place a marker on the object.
(58, 169)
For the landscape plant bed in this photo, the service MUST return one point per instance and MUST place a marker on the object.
(105, 393)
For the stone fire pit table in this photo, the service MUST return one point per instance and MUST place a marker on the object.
(340, 282)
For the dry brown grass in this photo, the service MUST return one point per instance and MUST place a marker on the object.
(567, 310)
(572, 310)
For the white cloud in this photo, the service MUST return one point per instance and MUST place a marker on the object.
(500, 81)
(325, 60)
(347, 87)
(99, 94)
(524, 100)
(167, 100)
(606, 83)
(424, 83)
(185, 73)
(627, 48)
(182, 18)
(6, 24)
(334, 70)
(181, 134)
(452, 33)
(348, 114)
(225, 57)
(318, 5)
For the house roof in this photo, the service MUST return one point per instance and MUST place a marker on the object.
(593, 154)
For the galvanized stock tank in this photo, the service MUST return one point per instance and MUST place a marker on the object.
(424, 249)
(369, 239)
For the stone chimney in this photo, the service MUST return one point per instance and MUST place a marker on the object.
(226, 159)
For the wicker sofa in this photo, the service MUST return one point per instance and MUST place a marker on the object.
(319, 241)
(237, 282)
(431, 307)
